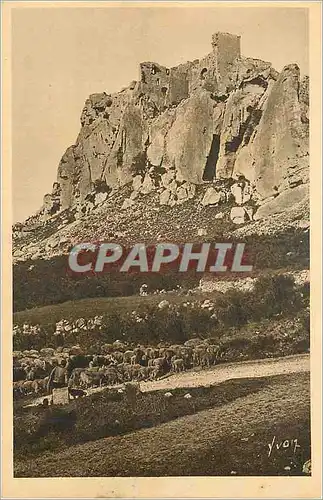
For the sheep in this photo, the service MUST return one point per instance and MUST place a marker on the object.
(36, 387)
(178, 365)
(117, 362)
(90, 379)
(27, 387)
(144, 372)
(112, 376)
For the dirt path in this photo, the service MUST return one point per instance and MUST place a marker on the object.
(220, 373)
(216, 375)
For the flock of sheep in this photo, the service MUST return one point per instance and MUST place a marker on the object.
(116, 364)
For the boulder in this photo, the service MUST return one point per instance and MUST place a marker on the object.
(212, 197)
(241, 192)
(179, 177)
(134, 195)
(284, 201)
(136, 182)
(147, 185)
(167, 178)
(128, 202)
(158, 130)
(281, 143)
(238, 215)
(172, 186)
(185, 192)
(126, 152)
(238, 114)
(164, 197)
(100, 198)
(163, 304)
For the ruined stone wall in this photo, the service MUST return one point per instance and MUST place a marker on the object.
(154, 81)
(204, 74)
(178, 88)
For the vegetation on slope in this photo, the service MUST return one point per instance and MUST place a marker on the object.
(236, 317)
(43, 282)
(232, 436)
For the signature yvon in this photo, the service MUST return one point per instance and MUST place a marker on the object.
(283, 444)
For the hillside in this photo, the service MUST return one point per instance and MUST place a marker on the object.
(231, 438)
(213, 148)
(193, 370)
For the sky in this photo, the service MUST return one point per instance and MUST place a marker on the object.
(62, 55)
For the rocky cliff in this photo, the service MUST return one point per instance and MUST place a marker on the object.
(223, 131)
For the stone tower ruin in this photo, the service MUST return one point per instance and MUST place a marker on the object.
(226, 48)
(170, 85)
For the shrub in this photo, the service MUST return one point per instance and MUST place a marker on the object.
(233, 308)
(274, 295)
(141, 321)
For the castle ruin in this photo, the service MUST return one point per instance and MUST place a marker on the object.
(206, 120)
(169, 86)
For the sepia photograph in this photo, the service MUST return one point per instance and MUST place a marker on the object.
(158, 285)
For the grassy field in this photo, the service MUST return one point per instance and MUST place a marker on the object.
(97, 305)
(88, 308)
(222, 430)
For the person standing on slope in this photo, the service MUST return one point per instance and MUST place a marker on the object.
(57, 377)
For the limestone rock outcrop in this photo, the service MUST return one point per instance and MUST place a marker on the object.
(278, 150)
